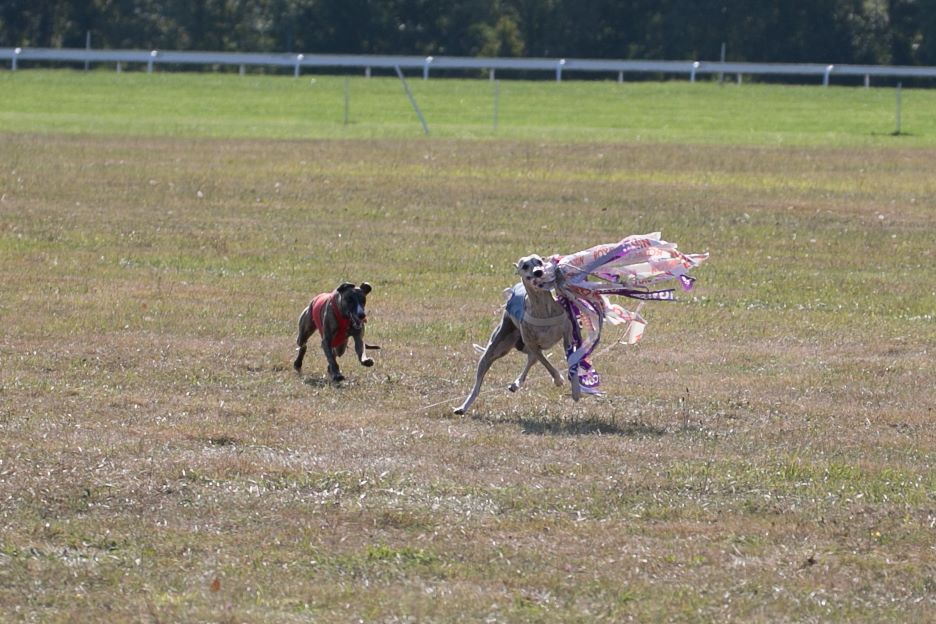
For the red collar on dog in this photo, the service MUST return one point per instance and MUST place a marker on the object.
(318, 306)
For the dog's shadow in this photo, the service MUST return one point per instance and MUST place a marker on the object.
(588, 426)
(321, 382)
(546, 424)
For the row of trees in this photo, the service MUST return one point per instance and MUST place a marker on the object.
(836, 31)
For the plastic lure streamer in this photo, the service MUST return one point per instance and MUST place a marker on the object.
(628, 268)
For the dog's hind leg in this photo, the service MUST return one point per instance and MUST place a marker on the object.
(502, 341)
(306, 329)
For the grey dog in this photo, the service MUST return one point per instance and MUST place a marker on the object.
(532, 322)
(338, 316)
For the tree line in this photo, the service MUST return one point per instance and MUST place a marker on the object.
(893, 32)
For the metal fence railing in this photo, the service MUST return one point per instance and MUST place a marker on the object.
(558, 67)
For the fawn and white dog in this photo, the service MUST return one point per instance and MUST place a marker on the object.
(533, 322)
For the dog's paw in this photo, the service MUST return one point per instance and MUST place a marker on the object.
(459, 411)
(337, 377)
(513, 387)
(367, 361)
(558, 381)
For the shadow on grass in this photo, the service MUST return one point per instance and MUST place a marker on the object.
(221, 440)
(324, 382)
(590, 426)
(545, 424)
(319, 382)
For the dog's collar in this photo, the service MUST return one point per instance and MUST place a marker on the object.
(516, 309)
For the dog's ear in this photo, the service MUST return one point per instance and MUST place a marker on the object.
(516, 267)
(345, 287)
(366, 288)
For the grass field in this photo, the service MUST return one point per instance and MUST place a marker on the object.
(765, 454)
(263, 107)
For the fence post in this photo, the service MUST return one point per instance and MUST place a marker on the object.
(87, 63)
(347, 97)
(825, 77)
(149, 63)
(897, 131)
(492, 74)
(426, 64)
(867, 81)
(16, 53)
(412, 100)
(299, 58)
(695, 66)
(559, 70)
(496, 102)
(721, 74)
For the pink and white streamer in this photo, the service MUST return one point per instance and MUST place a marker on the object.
(629, 268)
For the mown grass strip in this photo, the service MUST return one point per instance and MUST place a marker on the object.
(312, 107)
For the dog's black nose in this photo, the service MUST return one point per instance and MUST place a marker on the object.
(537, 272)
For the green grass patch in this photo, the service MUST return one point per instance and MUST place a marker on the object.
(313, 107)
(764, 454)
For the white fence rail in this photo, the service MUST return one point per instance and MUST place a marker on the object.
(559, 67)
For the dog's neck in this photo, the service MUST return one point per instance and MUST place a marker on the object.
(343, 321)
(540, 302)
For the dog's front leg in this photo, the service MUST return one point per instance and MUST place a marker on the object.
(531, 359)
(573, 379)
(556, 375)
(361, 350)
(333, 371)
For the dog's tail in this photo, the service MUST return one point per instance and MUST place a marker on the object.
(481, 349)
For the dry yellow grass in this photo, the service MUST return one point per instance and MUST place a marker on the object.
(765, 454)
